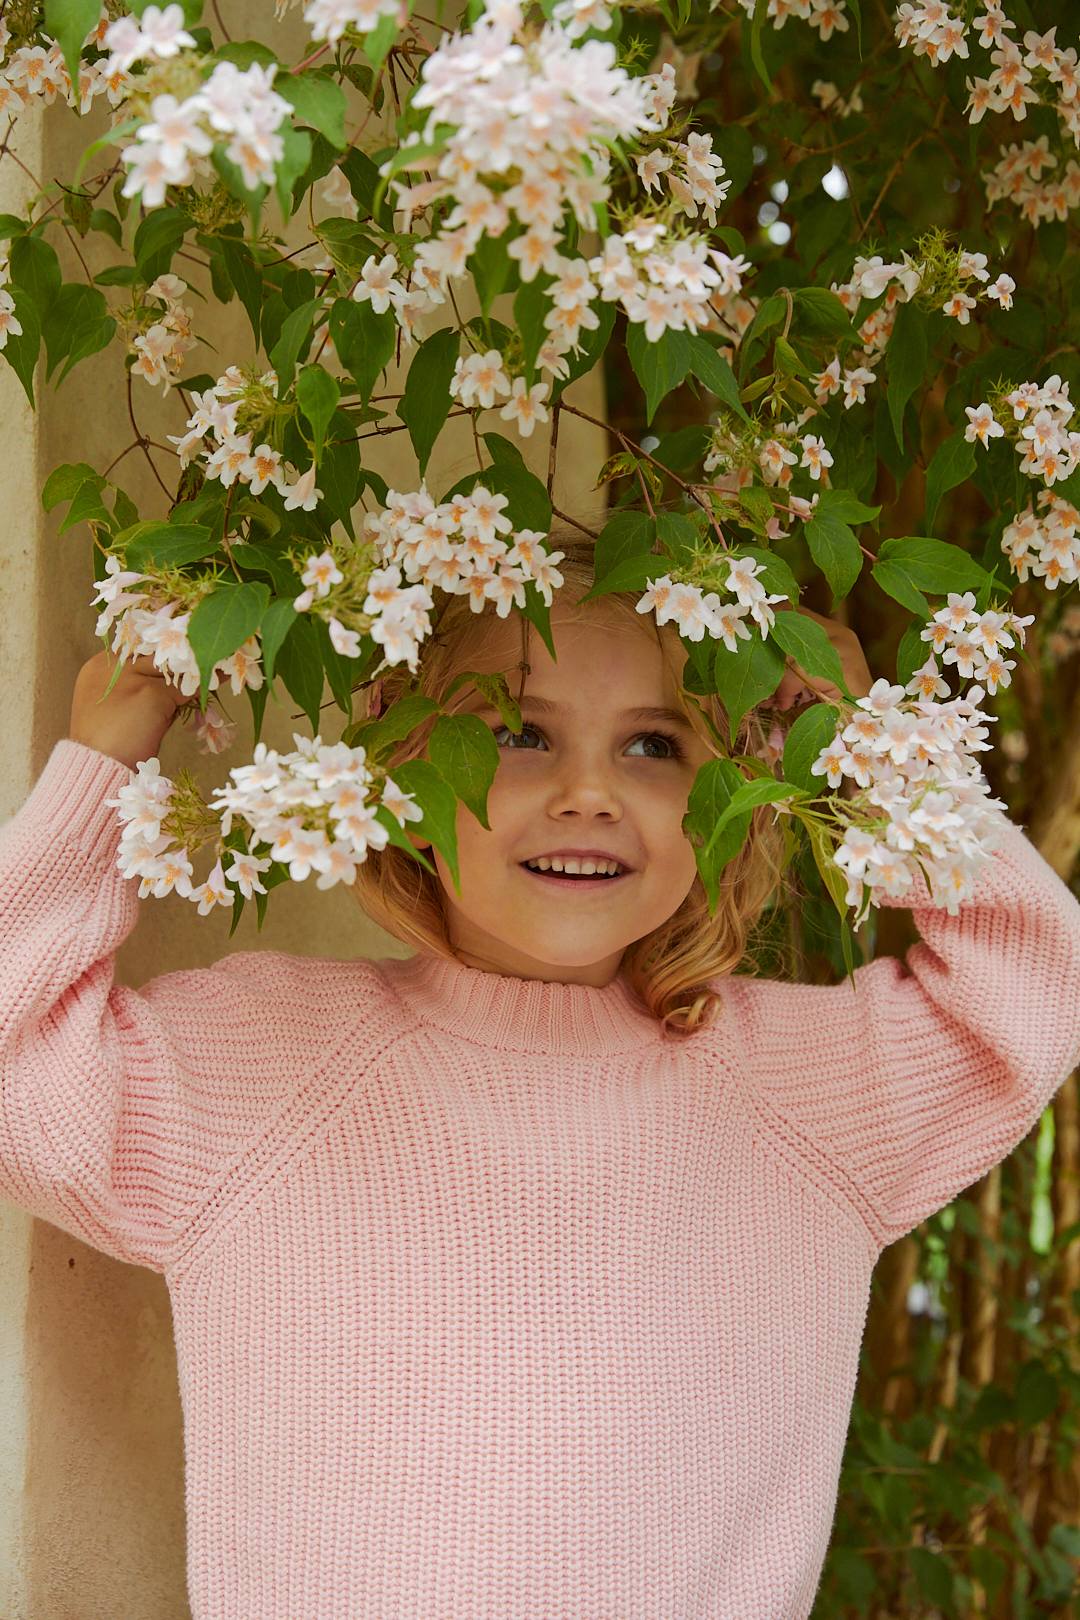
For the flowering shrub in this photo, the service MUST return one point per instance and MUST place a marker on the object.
(839, 369)
(551, 157)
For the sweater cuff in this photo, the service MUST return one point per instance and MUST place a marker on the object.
(69, 797)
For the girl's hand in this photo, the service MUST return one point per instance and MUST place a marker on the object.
(796, 686)
(130, 723)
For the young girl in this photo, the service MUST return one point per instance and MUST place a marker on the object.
(523, 1278)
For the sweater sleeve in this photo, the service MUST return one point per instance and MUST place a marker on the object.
(910, 1085)
(120, 1110)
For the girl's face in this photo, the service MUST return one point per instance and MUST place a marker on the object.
(584, 772)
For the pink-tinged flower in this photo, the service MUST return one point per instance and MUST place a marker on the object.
(982, 425)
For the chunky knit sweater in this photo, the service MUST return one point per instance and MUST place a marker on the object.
(490, 1301)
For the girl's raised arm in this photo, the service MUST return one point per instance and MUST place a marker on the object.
(915, 1082)
(122, 1110)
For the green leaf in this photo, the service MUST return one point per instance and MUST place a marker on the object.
(300, 667)
(834, 548)
(630, 573)
(747, 677)
(69, 22)
(770, 313)
(833, 878)
(842, 503)
(810, 732)
(775, 574)
(906, 356)
(36, 269)
(257, 559)
(65, 481)
(364, 183)
(912, 652)
(400, 720)
(762, 790)
(464, 751)
(932, 565)
(821, 311)
(318, 393)
(222, 622)
(660, 366)
(378, 41)
(290, 166)
(807, 641)
(75, 308)
(492, 269)
(712, 790)
(531, 304)
(276, 624)
(713, 370)
(895, 582)
(625, 534)
(1037, 1393)
(500, 449)
(933, 1576)
(439, 803)
(318, 100)
(757, 26)
(528, 503)
(427, 399)
(90, 338)
(243, 52)
(245, 276)
(339, 472)
(594, 340)
(86, 507)
(364, 341)
(295, 339)
(157, 238)
(156, 544)
(953, 463)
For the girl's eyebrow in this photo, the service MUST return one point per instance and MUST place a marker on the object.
(546, 706)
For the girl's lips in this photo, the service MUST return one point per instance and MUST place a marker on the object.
(585, 884)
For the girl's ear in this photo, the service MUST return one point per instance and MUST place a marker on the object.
(417, 842)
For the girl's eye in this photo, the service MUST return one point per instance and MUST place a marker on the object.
(672, 742)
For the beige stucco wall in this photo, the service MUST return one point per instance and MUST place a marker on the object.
(91, 1458)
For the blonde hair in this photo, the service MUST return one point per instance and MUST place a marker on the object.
(669, 969)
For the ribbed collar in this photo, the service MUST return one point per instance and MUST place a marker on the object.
(521, 1015)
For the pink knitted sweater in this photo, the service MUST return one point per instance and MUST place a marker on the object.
(491, 1303)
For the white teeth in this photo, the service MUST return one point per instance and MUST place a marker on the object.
(558, 863)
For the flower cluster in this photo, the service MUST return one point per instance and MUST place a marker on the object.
(160, 350)
(32, 71)
(531, 115)
(328, 19)
(312, 810)
(243, 106)
(1048, 544)
(1035, 417)
(923, 797)
(827, 16)
(833, 102)
(465, 545)
(9, 321)
(699, 612)
(664, 286)
(148, 623)
(480, 378)
(904, 277)
(233, 456)
(1041, 74)
(923, 800)
(694, 174)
